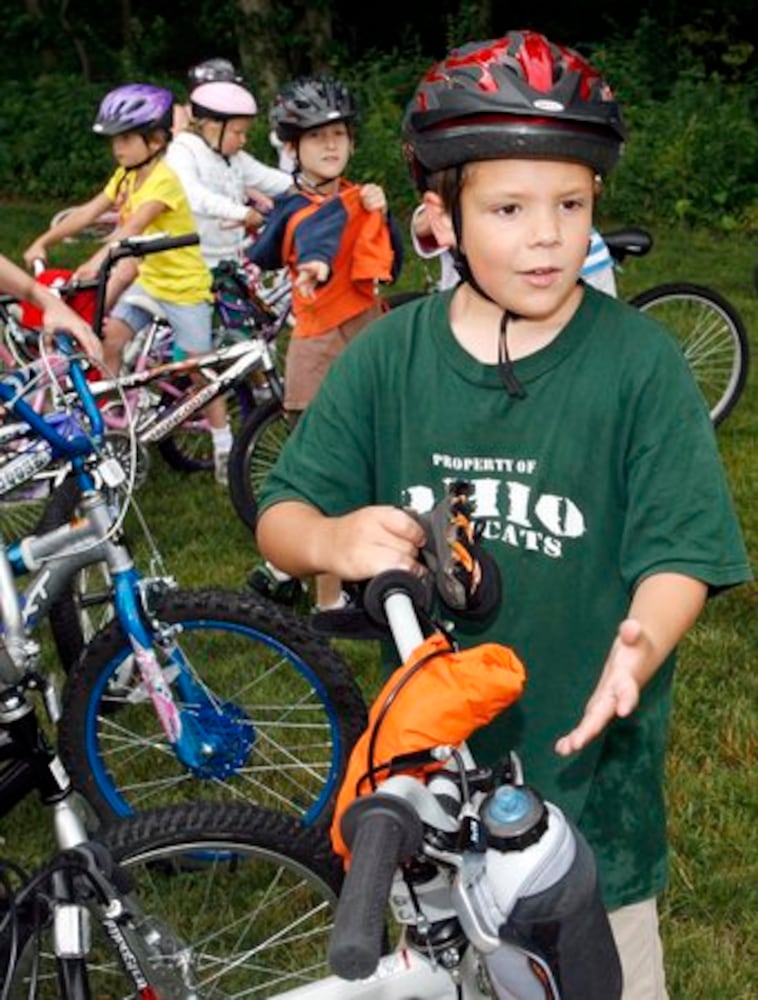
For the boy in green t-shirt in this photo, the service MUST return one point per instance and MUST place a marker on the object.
(593, 460)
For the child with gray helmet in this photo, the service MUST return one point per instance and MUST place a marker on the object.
(338, 241)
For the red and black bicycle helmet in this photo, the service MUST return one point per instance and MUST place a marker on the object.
(517, 96)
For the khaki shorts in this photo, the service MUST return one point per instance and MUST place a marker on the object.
(309, 358)
(635, 930)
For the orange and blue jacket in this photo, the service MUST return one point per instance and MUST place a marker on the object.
(361, 248)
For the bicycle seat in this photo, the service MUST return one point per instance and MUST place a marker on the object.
(142, 301)
(628, 243)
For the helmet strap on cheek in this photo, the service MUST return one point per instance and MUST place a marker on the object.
(149, 158)
(505, 366)
(222, 133)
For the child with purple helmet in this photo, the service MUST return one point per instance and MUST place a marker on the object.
(150, 199)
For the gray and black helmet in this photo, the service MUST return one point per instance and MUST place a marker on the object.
(213, 71)
(310, 102)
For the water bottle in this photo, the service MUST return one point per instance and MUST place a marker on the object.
(554, 937)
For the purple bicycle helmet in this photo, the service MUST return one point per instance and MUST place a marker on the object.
(517, 96)
(213, 71)
(309, 102)
(134, 107)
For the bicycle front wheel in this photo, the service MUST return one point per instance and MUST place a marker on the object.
(273, 706)
(255, 450)
(236, 902)
(712, 336)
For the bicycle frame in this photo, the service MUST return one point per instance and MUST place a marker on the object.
(242, 358)
(56, 556)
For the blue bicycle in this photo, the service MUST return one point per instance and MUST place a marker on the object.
(184, 694)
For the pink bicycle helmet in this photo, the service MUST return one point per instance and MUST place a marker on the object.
(134, 107)
(517, 96)
(221, 100)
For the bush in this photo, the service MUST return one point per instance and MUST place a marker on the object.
(690, 157)
(51, 152)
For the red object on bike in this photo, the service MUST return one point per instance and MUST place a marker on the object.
(444, 702)
(81, 302)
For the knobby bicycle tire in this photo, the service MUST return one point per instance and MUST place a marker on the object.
(256, 447)
(712, 336)
(261, 438)
(246, 894)
(250, 891)
(280, 719)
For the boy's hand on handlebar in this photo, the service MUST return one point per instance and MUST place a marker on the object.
(33, 253)
(370, 540)
(617, 692)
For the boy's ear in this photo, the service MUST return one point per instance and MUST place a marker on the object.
(439, 219)
(290, 149)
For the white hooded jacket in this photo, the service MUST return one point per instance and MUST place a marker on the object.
(216, 188)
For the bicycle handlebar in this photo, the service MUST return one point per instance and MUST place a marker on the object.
(383, 832)
(133, 246)
(79, 444)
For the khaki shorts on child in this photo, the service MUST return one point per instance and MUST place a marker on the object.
(309, 358)
(635, 931)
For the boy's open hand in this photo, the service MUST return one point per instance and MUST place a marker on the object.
(373, 198)
(618, 690)
(310, 274)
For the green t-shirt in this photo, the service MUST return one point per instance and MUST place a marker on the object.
(607, 472)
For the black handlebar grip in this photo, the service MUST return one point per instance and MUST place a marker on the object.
(383, 832)
(140, 249)
(393, 581)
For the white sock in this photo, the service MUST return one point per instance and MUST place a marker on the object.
(222, 438)
(279, 575)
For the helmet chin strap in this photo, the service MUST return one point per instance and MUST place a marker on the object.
(148, 159)
(504, 363)
(217, 148)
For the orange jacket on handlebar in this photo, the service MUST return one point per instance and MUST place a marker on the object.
(453, 694)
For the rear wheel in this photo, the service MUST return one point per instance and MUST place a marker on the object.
(255, 450)
(712, 336)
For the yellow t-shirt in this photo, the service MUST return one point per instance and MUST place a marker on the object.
(176, 276)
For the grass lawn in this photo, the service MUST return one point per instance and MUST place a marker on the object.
(710, 912)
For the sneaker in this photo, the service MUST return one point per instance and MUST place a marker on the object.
(263, 582)
(221, 467)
